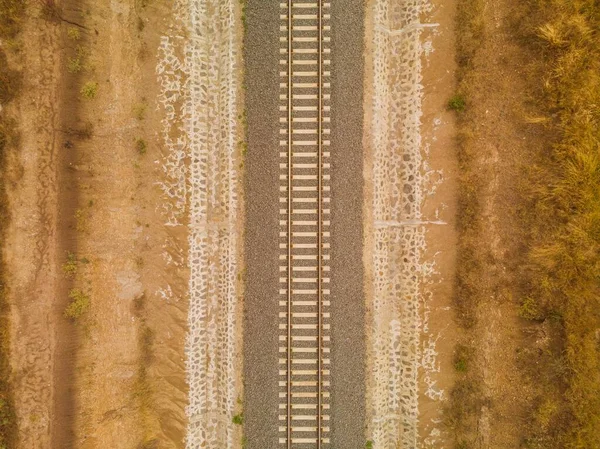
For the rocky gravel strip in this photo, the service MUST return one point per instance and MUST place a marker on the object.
(200, 72)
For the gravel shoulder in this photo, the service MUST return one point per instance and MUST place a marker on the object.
(347, 295)
(261, 239)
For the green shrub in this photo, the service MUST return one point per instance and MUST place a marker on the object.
(457, 103)
(238, 419)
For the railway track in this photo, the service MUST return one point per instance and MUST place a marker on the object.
(304, 224)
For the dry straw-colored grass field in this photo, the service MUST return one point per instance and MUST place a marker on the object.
(559, 215)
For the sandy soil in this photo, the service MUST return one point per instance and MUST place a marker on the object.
(31, 248)
(115, 377)
(439, 207)
(123, 237)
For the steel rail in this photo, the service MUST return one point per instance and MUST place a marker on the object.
(289, 233)
(320, 315)
(320, 229)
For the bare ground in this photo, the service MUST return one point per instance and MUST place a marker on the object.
(31, 249)
(82, 184)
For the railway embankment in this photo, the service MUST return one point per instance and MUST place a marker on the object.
(409, 211)
(200, 72)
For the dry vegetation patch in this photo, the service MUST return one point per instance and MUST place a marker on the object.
(461, 411)
(564, 255)
(11, 15)
(559, 216)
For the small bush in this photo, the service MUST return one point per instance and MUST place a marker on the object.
(369, 445)
(80, 303)
(89, 90)
(457, 103)
(141, 146)
(238, 419)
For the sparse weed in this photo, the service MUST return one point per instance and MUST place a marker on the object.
(73, 34)
(462, 358)
(457, 103)
(10, 81)
(50, 10)
(70, 266)
(80, 220)
(79, 305)
(11, 17)
(83, 133)
(141, 146)
(90, 90)
(12, 13)
(238, 419)
(152, 443)
(76, 63)
(139, 110)
(561, 209)
(463, 444)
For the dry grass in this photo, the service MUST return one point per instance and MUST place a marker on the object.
(11, 16)
(561, 216)
(564, 256)
(143, 392)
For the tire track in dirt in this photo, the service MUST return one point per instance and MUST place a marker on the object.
(31, 247)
